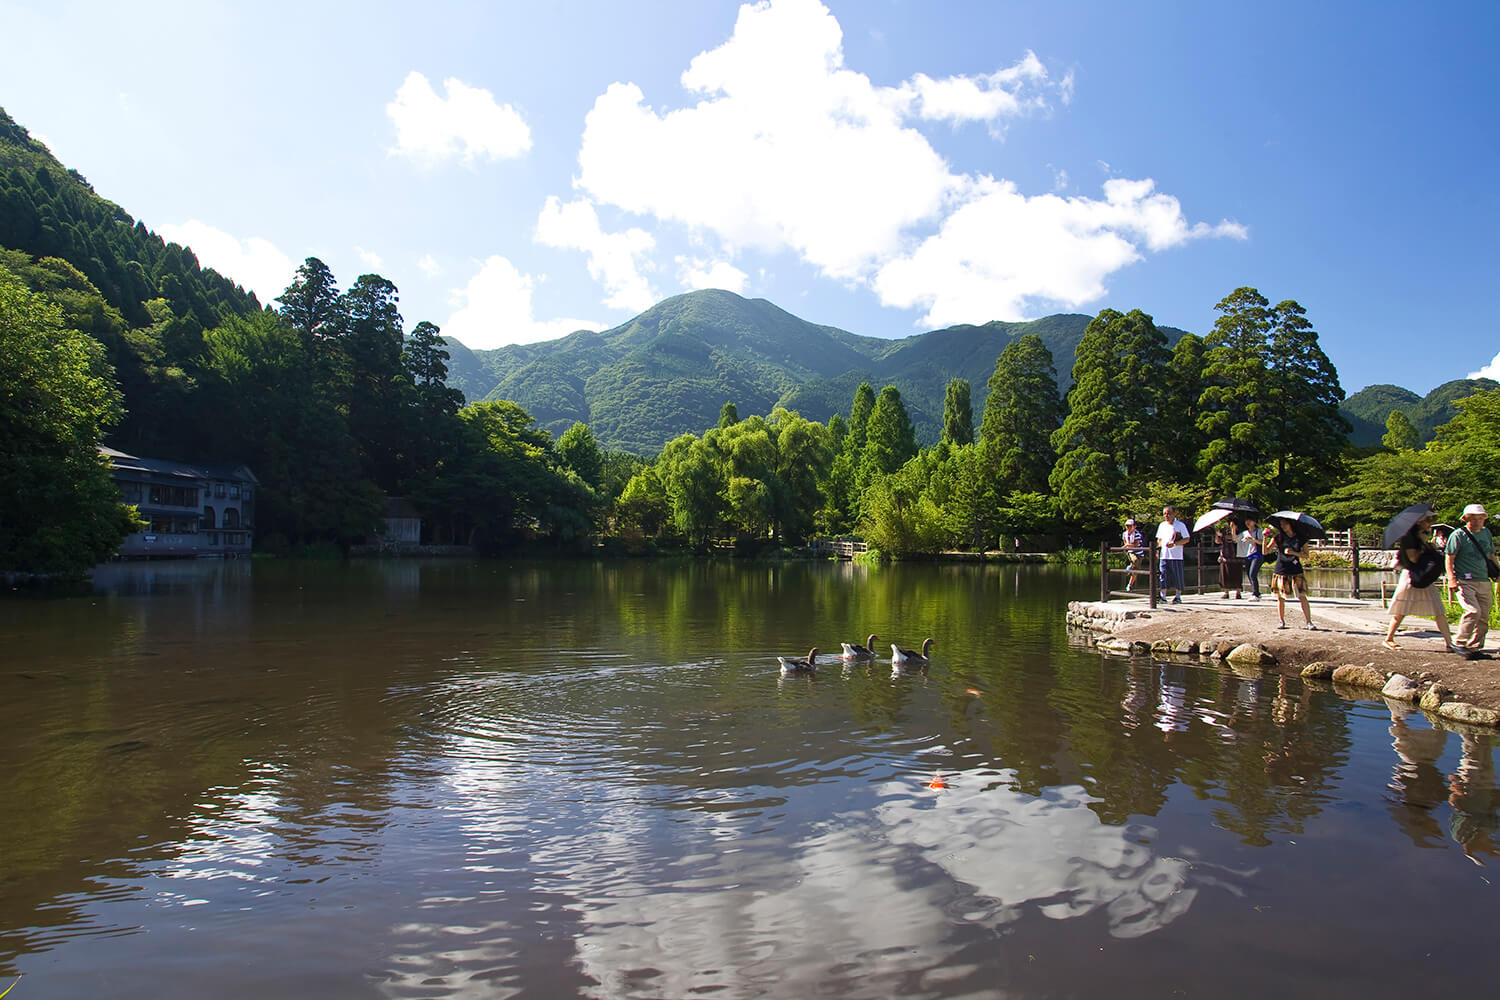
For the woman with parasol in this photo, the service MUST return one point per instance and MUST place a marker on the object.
(1420, 566)
(1287, 579)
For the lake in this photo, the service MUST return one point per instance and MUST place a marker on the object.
(574, 779)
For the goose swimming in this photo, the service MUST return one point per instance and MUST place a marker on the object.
(792, 665)
(910, 657)
(865, 652)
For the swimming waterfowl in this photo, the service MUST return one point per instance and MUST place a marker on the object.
(910, 657)
(865, 652)
(791, 665)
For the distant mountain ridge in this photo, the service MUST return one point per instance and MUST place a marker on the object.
(1369, 409)
(671, 369)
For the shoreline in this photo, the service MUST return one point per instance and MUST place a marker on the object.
(1345, 649)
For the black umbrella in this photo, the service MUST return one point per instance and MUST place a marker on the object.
(1402, 524)
(1303, 525)
(1235, 504)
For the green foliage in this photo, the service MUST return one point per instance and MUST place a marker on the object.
(1114, 431)
(1368, 409)
(1020, 416)
(958, 413)
(577, 450)
(1400, 435)
(59, 510)
(890, 440)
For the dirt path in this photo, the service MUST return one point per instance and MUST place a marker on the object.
(1348, 632)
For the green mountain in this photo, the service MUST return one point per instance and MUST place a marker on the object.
(669, 370)
(1368, 409)
(48, 210)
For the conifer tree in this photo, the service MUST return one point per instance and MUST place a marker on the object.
(1235, 405)
(958, 413)
(1114, 429)
(1020, 416)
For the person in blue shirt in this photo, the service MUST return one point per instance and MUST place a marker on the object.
(1468, 552)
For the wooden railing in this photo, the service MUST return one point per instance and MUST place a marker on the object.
(841, 547)
(1204, 559)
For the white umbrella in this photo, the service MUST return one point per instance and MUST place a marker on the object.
(1211, 518)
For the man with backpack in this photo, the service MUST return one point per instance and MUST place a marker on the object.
(1471, 567)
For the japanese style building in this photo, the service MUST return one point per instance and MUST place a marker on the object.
(191, 510)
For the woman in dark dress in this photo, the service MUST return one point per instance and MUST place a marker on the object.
(1229, 559)
(1287, 578)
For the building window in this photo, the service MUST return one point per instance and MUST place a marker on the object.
(234, 491)
(231, 518)
(218, 489)
(208, 517)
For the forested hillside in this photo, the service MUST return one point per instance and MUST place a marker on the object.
(1368, 410)
(669, 370)
(975, 433)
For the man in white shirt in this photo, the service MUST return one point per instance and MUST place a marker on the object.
(1171, 538)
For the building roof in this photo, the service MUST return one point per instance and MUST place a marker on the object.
(227, 471)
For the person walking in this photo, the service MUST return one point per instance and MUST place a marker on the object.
(1469, 553)
(1415, 594)
(1287, 578)
(1250, 552)
(1172, 536)
(1135, 551)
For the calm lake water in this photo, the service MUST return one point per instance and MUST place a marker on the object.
(527, 779)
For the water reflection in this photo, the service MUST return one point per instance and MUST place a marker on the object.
(530, 779)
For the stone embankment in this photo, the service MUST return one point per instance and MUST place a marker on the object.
(1247, 637)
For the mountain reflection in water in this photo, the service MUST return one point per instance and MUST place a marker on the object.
(579, 779)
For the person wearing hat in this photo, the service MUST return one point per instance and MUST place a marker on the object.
(1135, 550)
(1468, 555)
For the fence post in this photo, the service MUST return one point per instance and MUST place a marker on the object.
(1354, 558)
(1153, 571)
(1104, 570)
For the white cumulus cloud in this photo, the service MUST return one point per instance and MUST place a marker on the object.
(695, 274)
(788, 150)
(1005, 256)
(467, 123)
(615, 259)
(495, 309)
(1491, 370)
(255, 263)
(369, 258)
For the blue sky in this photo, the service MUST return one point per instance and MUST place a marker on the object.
(522, 170)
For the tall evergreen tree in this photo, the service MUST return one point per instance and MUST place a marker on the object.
(890, 439)
(859, 417)
(1177, 458)
(1113, 430)
(958, 413)
(311, 303)
(1020, 416)
(1306, 452)
(1235, 407)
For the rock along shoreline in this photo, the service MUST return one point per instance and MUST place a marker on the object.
(1345, 650)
